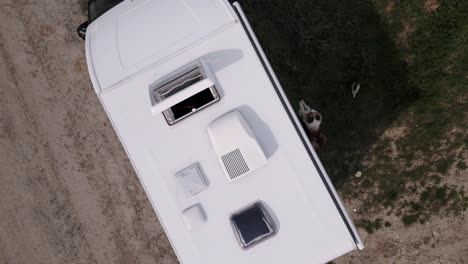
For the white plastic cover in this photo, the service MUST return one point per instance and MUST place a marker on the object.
(236, 145)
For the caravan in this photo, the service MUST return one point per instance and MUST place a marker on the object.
(211, 135)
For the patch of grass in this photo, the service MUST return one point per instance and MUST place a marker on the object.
(433, 200)
(461, 165)
(443, 165)
(416, 207)
(438, 41)
(318, 50)
(436, 198)
(412, 67)
(410, 219)
(436, 179)
(434, 194)
(371, 226)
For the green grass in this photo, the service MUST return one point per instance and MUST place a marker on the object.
(461, 165)
(418, 80)
(319, 49)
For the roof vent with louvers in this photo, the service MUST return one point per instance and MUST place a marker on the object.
(235, 164)
(236, 145)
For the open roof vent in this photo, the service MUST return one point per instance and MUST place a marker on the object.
(236, 145)
(183, 94)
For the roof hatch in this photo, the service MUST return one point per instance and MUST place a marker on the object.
(184, 94)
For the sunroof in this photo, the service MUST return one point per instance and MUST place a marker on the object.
(252, 225)
(195, 102)
(190, 105)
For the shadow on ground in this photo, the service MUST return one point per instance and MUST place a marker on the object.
(318, 49)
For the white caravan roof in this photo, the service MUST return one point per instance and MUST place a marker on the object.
(246, 147)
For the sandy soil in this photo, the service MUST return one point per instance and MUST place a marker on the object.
(440, 240)
(68, 193)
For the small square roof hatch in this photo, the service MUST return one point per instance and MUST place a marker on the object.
(191, 180)
(252, 225)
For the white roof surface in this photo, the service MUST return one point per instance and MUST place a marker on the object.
(140, 42)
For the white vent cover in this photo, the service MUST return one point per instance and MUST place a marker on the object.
(236, 145)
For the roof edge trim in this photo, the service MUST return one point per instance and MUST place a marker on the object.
(281, 94)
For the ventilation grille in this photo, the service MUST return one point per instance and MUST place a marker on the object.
(235, 164)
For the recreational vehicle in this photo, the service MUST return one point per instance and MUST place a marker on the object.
(212, 136)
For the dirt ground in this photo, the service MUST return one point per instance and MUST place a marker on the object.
(442, 239)
(68, 193)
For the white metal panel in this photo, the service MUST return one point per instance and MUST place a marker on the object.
(173, 21)
(137, 34)
(310, 228)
